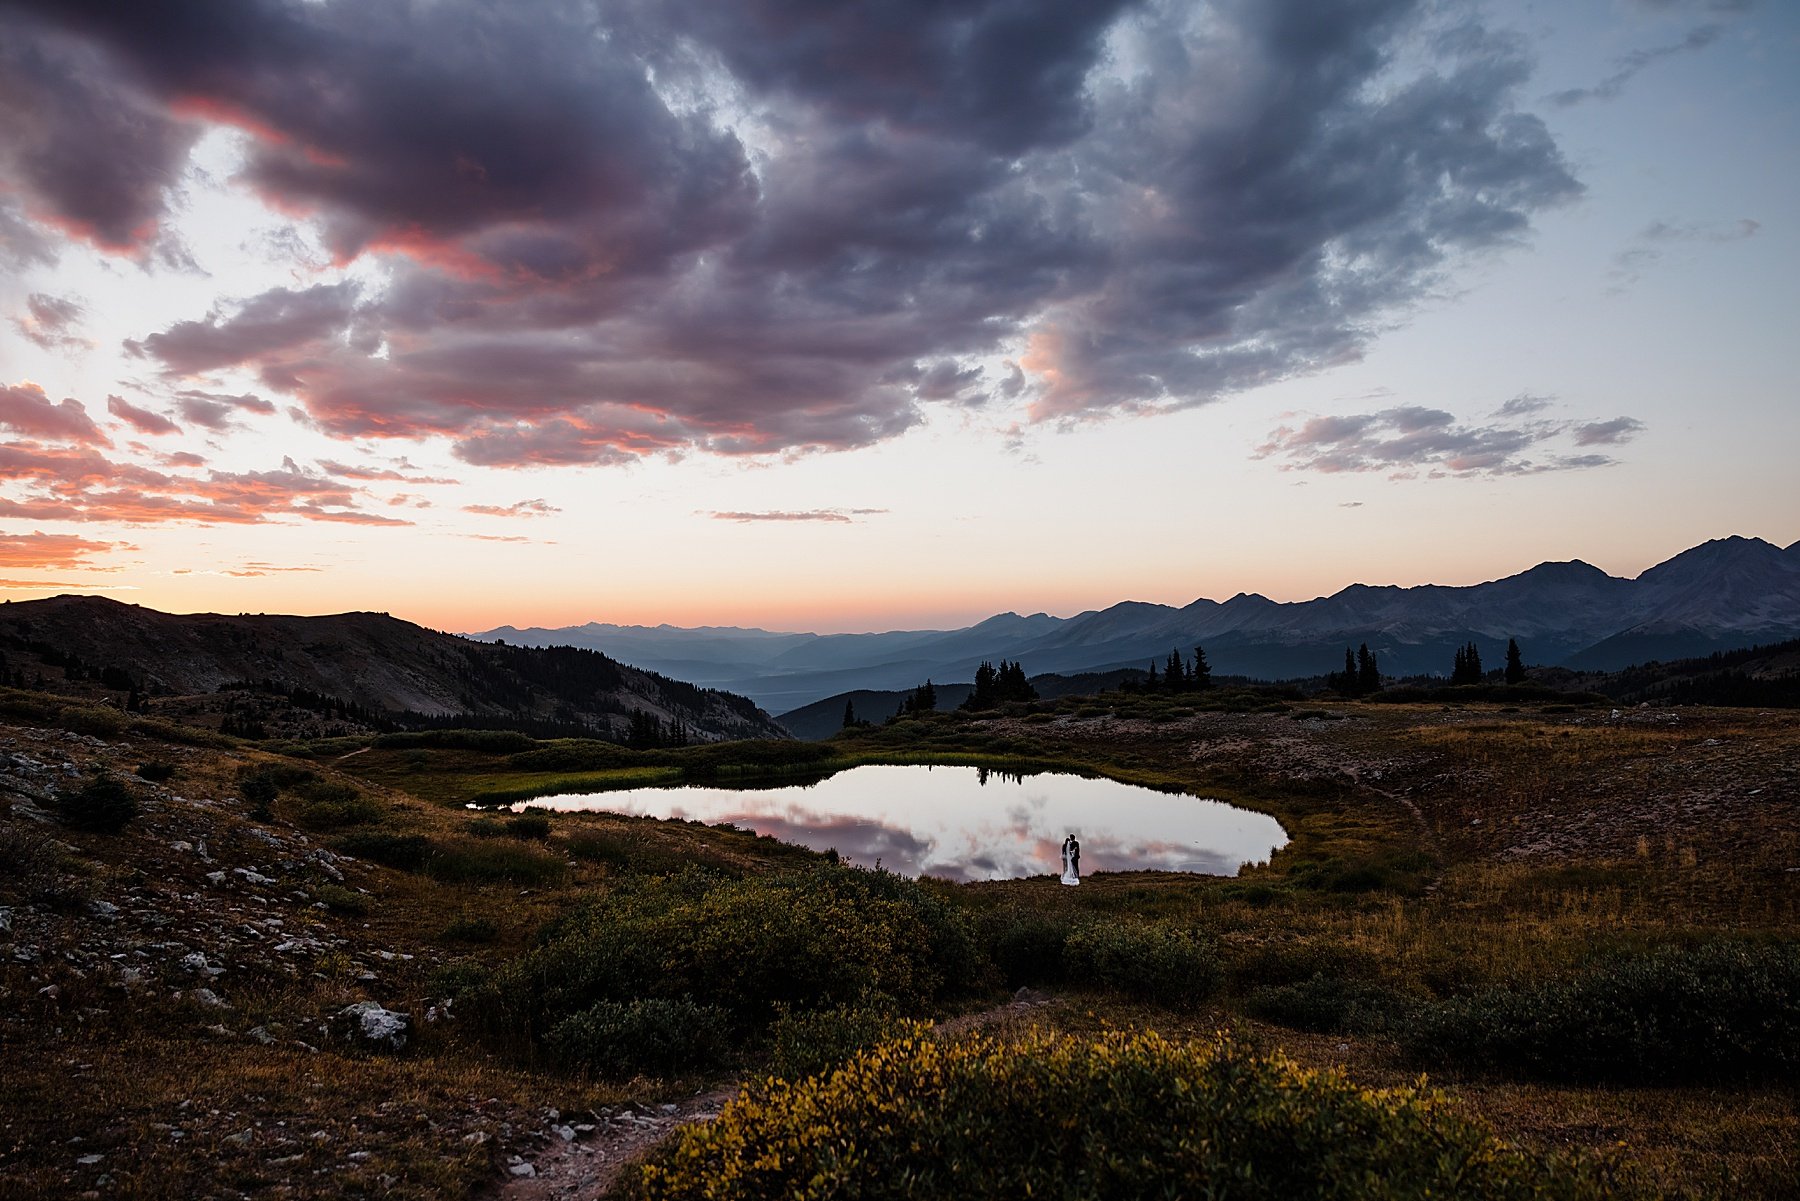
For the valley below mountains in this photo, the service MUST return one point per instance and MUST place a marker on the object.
(1724, 594)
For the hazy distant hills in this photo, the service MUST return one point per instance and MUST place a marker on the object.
(1727, 593)
(384, 665)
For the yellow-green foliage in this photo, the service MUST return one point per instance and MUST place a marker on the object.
(1121, 1116)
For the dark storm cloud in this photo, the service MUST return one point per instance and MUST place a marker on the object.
(86, 151)
(776, 226)
(1407, 441)
(1008, 74)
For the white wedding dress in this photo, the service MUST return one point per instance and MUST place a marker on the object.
(1068, 872)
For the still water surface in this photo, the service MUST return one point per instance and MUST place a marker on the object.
(969, 823)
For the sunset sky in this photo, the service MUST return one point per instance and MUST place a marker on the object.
(823, 316)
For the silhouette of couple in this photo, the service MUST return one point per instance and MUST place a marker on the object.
(1071, 860)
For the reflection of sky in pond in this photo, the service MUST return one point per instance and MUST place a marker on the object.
(966, 823)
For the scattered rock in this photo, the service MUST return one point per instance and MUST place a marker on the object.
(373, 1024)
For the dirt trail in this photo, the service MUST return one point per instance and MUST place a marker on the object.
(583, 1159)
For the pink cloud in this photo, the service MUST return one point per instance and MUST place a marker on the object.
(26, 409)
(56, 551)
(142, 420)
(523, 508)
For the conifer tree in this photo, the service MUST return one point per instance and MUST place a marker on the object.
(1467, 665)
(1515, 663)
(849, 714)
(1174, 672)
(1368, 675)
(1201, 675)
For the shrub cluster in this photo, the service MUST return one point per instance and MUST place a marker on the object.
(405, 852)
(1716, 1011)
(1159, 963)
(755, 948)
(1153, 962)
(810, 1042)
(323, 804)
(470, 930)
(1026, 944)
(103, 806)
(1330, 1005)
(466, 861)
(1122, 1116)
(654, 1037)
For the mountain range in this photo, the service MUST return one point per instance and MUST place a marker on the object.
(1727, 593)
(194, 666)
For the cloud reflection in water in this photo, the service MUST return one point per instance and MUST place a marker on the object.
(965, 823)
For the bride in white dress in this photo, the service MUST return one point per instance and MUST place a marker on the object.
(1071, 873)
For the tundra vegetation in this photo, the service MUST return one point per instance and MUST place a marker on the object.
(1577, 923)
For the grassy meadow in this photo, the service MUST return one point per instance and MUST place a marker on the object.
(1578, 924)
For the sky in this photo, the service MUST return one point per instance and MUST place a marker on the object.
(802, 315)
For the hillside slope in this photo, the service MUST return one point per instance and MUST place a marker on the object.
(391, 669)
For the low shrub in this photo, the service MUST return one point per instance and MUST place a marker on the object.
(1330, 1005)
(98, 720)
(1297, 961)
(808, 1043)
(1158, 963)
(259, 793)
(528, 827)
(156, 771)
(102, 806)
(465, 861)
(341, 806)
(499, 742)
(593, 846)
(478, 930)
(652, 1037)
(406, 852)
(339, 899)
(486, 827)
(1120, 1116)
(1721, 1011)
(32, 865)
(1025, 945)
(822, 938)
(457, 979)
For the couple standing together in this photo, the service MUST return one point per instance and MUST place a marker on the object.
(1071, 860)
